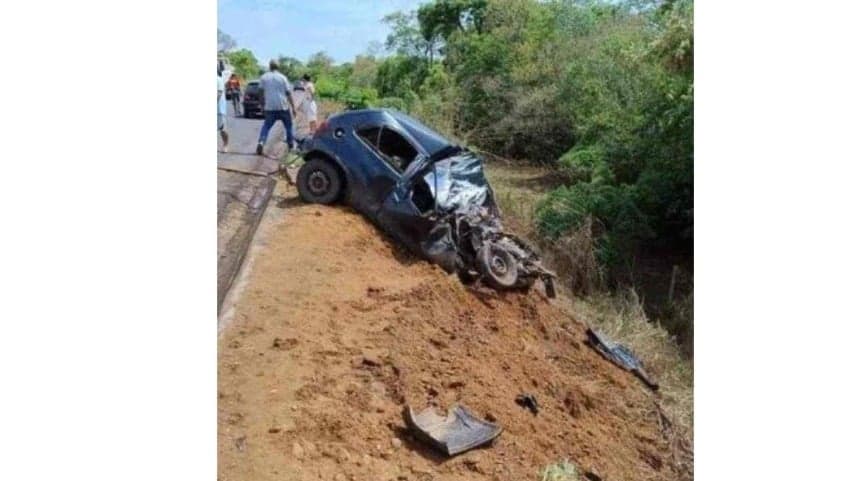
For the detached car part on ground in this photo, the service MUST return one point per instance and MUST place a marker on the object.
(423, 190)
(620, 355)
(458, 431)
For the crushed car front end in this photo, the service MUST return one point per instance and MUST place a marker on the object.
(468, 236)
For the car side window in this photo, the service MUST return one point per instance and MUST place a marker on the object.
(371, 135)
(393, 148)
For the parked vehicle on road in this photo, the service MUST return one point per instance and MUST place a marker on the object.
(253, 100)
(422, 189)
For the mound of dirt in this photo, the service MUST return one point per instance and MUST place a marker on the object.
(338, 329)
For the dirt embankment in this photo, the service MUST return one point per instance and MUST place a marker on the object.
(338, 329)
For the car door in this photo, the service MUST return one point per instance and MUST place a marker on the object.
(382, 173)
(409, 213)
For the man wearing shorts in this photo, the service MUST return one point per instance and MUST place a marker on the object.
(221, 110)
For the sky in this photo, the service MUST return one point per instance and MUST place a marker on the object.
(299, 28)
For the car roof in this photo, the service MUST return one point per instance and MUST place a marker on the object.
(430, 140)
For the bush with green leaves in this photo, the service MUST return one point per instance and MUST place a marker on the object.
(618, 222)
(244, 63)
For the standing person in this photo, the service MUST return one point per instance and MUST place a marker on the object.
(221, 110)
(233, 92)
(309, 86)
(276, 91)
(305, 114)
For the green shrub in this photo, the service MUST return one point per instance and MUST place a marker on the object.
(396, 103)
(618, 222)
(587, 164)
(330, 88)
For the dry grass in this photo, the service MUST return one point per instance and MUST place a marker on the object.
(517, 194)
(573, 257)
(621, 317)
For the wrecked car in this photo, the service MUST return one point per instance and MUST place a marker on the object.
(423, 190)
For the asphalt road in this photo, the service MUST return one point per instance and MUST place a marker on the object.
(243, 136)
(244, 187)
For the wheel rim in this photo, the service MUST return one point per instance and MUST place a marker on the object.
(319, 182)
(498, 265)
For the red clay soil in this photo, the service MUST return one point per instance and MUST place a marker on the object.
(338, 329)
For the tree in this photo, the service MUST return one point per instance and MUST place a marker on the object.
(405, 37)
(244, 63)
(439, 19)
(364, 71)
(399, 76)
(291, 67)
(319, 63)
(225, 42)
(374, 49)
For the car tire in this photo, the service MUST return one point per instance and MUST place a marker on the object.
(498, 266)
(319, 182)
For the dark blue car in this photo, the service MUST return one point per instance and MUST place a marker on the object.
(422, 189)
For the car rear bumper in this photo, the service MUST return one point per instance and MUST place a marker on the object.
(252, 108)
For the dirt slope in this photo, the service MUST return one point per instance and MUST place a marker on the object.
(337, 329)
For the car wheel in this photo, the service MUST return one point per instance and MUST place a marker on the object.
(319, 182)
(498, 266)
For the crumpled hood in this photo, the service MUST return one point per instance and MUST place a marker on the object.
(461, 190)
(458, 183)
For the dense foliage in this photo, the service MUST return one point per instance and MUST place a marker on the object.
(244, 63)
(602, 90)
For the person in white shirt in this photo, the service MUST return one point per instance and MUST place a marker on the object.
(308, 85)
(306, 114)
(221, 110)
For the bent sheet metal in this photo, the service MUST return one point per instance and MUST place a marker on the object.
(619, 355)
(453, 434)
